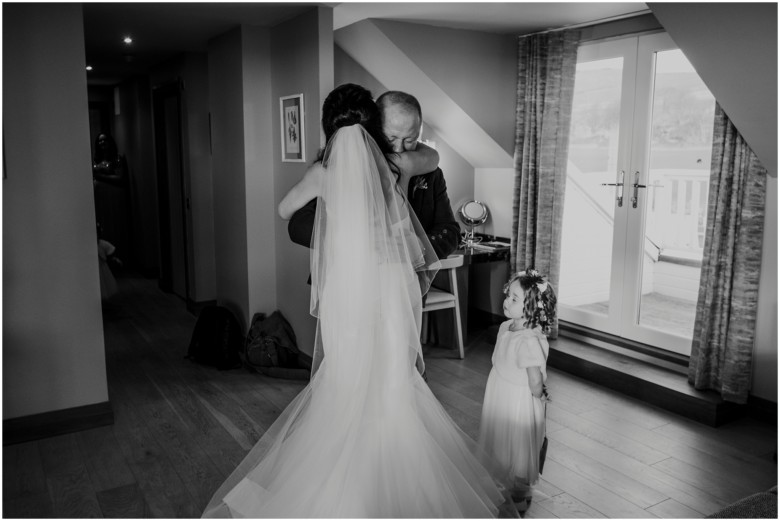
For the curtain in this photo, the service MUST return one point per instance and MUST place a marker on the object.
(545, 89)
(724, 331)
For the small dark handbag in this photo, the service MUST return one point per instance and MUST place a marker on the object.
(543, 451)
(542, 455)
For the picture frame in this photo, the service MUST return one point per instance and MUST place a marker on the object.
(293, 129)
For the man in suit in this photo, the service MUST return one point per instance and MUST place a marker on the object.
(427, 193)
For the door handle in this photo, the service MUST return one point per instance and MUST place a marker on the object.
(619, 186)
(636, 186)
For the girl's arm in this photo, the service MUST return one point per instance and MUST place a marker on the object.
(415, 162)
(535, 380)
(307, 189)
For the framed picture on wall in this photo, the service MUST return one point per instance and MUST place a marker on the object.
(293, 142)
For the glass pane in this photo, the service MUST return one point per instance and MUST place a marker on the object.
(588, 215)
(677, 187)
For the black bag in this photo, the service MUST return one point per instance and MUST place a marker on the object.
(271, 348)
(542, 455)
(543, 451)
(217, 339)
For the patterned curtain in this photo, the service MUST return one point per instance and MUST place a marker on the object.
(545, 89)
(724, 331)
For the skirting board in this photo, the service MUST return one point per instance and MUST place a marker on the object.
(54, 423)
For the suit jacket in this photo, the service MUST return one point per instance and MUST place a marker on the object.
(428, 198)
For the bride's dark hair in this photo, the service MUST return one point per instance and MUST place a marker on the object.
(351, 104)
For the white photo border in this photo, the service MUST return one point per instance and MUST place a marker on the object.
(293, 133)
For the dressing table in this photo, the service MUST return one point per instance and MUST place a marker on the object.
(482, 262)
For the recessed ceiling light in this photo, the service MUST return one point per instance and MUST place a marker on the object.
(89, 67)
(127, 40)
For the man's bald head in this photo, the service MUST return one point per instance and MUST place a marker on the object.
(401, 119)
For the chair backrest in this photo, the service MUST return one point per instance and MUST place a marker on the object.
(453, 261)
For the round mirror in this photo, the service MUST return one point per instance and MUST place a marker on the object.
(473, 213)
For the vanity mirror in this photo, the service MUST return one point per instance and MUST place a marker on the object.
(472, 213)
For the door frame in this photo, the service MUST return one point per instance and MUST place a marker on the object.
(633, 155)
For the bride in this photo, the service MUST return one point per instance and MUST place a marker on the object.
(366, 438)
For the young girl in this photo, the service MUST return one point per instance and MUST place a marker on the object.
(513, 417)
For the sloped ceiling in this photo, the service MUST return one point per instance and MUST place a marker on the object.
(733, 47)
(368, 45)
(399, 44)
(510, 18)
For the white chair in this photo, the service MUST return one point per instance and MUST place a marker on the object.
(439, 299)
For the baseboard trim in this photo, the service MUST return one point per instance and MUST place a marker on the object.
(601, 339)
(54, 423)
(652, 384)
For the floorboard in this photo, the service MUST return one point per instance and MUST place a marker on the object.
(598, 473)
(180, 428)
(671, 509)
(23, 462)
(666, 484)
(123, 502)
(598, 498)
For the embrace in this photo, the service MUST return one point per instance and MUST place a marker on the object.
(366, 437)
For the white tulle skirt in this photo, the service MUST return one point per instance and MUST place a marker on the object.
(366, 438)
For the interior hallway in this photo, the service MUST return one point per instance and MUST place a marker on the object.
(180, 428)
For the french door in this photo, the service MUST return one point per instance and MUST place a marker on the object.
(636, 192)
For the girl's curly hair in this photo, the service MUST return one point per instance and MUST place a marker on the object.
(540, 304)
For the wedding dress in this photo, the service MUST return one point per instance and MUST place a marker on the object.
(366, 438)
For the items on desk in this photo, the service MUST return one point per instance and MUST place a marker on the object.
(490, 246)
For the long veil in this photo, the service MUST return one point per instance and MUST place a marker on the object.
(363, 224)
(366, 437)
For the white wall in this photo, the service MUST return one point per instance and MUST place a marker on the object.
(495, 187)
(243, 166)
(226, 94)
(53, 349)
(459, 62)
(733, 47)
(395, 64)
(259, 159)
(307, 42)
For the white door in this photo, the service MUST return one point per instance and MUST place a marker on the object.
(636, 192)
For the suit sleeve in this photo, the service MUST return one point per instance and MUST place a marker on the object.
(444, 232)
(301, 224)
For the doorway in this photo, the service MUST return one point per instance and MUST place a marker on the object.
(636, 192)
(173, 201)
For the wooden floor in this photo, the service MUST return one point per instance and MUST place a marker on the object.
(181, 428)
